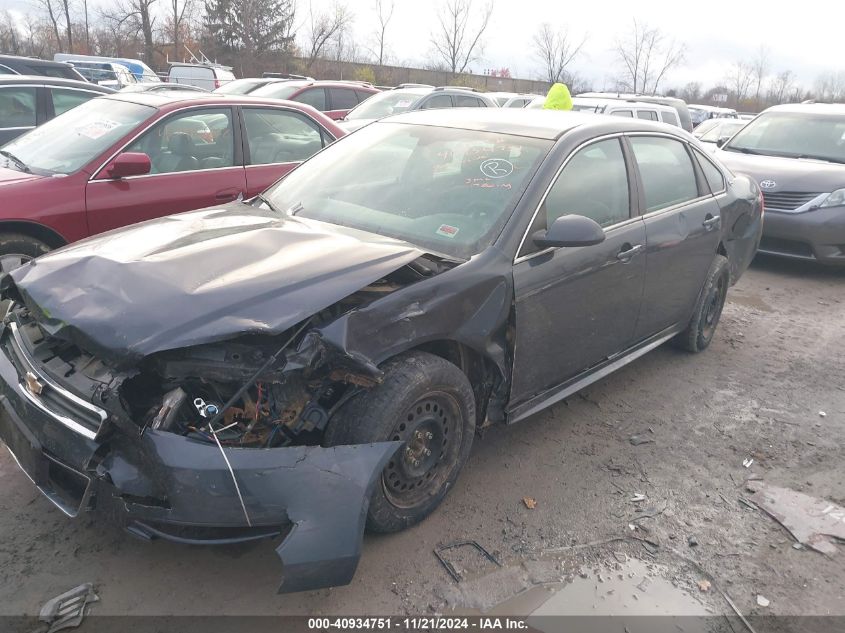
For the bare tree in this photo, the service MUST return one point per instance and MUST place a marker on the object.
(52, 14)
(759, 70)
(782, 85)
(323, 27)
(457, 39)
(137, 15)
(646, 56)
(384, 13)
(68, 24)
(691, 93)
(9, 36)
(556, 50)
(180, 14)
(739, 79)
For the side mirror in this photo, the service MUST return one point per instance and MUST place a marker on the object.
(570, 230)
(129, 164)
(722, 140)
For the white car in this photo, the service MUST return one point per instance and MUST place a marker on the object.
(616, 107)
(206, 76)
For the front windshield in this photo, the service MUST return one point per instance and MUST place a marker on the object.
(240, 87)
(794, 135)
(442, 189)
(78, 136)
(276, 90)
(723, 128)
(384, 104)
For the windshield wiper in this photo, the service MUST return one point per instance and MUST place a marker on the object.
(17, 161)
(269, 204)
(744, 150)
(827, 159)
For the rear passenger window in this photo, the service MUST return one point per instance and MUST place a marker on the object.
(343, 98)
(437, 101)
(627, 113)
(362, 95)
(666, 171)
(649, 115)
(594, 183)
(712, 174)
(315, 97)
(17, 107)
(462, 101)
(277, 136)
(65, 99)
(670, 117)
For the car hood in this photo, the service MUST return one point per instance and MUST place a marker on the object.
(199, 277)
(12, 176)
(788, 174)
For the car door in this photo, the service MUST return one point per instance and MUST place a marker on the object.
(20, 111)
(682, 230)
(276, 141)
(196, 161)
(575, 307)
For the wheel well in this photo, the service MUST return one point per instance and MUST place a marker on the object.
(38, 231)
(721, 250)
(481, 372)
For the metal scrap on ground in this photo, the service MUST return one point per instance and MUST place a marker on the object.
(812, 521)
(67, 610)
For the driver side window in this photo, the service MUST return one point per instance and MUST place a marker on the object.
(594, 184)
(197, 139)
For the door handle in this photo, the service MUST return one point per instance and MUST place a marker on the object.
(626, 254)
(227, 194)
(711, 221)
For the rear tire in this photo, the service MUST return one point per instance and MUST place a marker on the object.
(17, 249)
(708, 309)
(427, 403)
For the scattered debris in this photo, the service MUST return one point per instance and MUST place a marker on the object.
(693, 541)
(638, 496)
(648, 513)
(762, 602)
(747, 462)
(811, 521)
(797, 546)
(636, 440)
(822, 414)
(530, 502)
(67, 610)
(704, 585)
(449, 567)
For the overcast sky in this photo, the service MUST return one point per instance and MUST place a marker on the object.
(803, 37)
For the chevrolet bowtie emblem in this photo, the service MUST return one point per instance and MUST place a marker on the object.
(32, 384)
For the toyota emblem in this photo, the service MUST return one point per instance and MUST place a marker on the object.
(768, 184)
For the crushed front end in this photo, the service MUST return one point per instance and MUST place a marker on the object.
(213, 444)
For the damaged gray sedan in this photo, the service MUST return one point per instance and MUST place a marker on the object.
(318, 360)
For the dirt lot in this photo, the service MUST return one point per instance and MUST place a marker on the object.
(776, 362)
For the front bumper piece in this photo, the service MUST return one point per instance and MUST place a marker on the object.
(162, 485)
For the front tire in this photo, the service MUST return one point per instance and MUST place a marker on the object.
(17, 249)
(708, 309)
(427, 403)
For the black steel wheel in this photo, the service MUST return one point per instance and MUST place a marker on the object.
(708, 309)
(426, 403)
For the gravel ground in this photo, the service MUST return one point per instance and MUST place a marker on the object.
(776, 362)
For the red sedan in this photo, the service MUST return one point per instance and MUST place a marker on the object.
(130, 157)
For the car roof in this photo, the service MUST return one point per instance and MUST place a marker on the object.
(169, 100)
(53, 81)
(621, 103)
(543, 124)
(809, 108)
(31, 61)
(328, 83)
